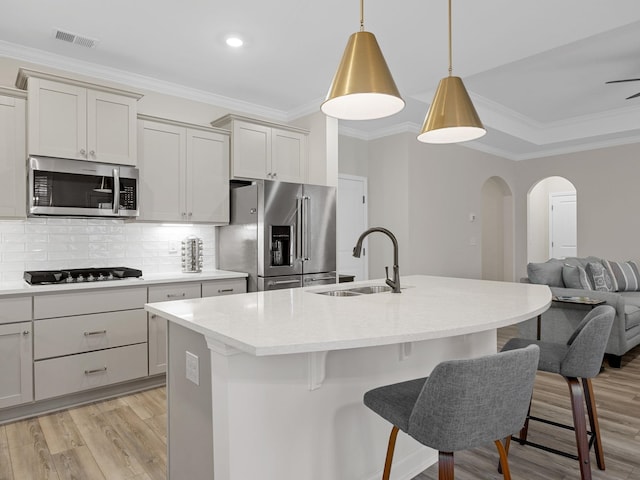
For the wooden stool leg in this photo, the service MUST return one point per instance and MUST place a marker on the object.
(445, 466)
(504, 462)
(507, 444)
(390, 449)
(577, 407)
(524, 431)
(593, 421)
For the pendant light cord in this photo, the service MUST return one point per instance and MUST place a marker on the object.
(450, 48)
(362, 15)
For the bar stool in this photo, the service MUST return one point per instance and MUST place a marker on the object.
(580, 358)
(462, 404)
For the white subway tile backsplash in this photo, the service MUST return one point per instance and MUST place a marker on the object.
(57, 243)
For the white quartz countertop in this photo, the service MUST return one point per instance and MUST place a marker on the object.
(298, 320)
(23, 288)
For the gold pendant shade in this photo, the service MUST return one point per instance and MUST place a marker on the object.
(452, 116)
(362, 88)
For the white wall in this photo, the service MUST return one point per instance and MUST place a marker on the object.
(497, 231)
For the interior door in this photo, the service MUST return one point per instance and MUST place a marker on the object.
(352, 221)
(563, 225)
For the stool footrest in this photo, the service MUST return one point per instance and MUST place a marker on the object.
(592, 438)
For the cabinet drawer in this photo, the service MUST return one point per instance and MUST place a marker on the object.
(74, 373)
(175, 291)
(224, 287)
(15, 309)
(95, 301)
(84, 333)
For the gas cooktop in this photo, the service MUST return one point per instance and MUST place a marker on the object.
(79, 275)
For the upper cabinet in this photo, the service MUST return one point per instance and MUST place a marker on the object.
(266, 150)
(78, 120)
(184, 172)
(12, 153)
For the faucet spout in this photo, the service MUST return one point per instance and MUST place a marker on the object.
(395, 283)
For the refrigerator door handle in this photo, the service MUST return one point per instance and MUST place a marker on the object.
(298, 233)
(306, 201)
(273, 283)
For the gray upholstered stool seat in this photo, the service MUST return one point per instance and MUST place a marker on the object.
(462, 404)
(580, 358)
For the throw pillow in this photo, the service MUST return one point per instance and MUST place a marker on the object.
(575, 277)
(599, 277)
(548, 273)
(625, 276)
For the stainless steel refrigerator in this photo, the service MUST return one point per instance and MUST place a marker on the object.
(282, 234)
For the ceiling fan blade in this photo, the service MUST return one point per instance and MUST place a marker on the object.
(634, 96)
(625, 80)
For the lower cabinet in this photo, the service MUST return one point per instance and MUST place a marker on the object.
(158, 325)
(74, 373)
(89, 339)
(16, 374)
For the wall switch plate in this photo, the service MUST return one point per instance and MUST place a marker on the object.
(173, 246)
(193, 368)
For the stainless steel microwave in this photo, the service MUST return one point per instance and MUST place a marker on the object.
(59, 186)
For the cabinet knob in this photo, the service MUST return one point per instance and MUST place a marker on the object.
(26, 332)
(269, 174)
(83, 152)
(92, 153)
(190, 214)
(274, 175)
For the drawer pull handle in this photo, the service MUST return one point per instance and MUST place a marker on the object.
(95, 332)
(176, 295)
(96, 370)
(225, 290)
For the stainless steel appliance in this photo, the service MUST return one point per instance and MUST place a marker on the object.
(79, 275)
(59, 186)
(282, 234)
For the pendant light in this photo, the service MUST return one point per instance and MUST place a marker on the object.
(451, 117)
(362, 88)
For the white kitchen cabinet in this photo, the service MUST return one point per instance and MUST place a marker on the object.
(16, 362)
(12, 153)
(181, 291)
(266, 150)
(158, 325)
(78, 120)
(184, 172)
(88, 339)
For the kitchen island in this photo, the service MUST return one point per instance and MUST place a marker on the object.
(269, 385)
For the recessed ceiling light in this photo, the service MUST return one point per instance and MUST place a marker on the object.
(234, 41)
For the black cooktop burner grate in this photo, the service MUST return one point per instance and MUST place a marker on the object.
(79, 275)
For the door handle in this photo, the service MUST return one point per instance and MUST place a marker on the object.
(116, 191)
(305, 221)
(298, 233)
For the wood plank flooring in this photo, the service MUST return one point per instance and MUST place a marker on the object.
(125, 438)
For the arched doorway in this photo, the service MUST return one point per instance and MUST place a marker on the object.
(497, 231)
(551, 219)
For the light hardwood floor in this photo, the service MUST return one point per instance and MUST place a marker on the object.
(125, 438)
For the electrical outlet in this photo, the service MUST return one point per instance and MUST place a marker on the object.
(173, 247)
(193, 368)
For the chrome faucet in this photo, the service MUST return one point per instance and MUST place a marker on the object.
(395, 283)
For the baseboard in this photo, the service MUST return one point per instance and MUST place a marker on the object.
(411, 465)
(41, 407)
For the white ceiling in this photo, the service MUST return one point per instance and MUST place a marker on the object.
(536, 71)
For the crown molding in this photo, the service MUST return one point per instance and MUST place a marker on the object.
(39, 57)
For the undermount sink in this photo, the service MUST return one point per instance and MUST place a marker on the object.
(355, 291)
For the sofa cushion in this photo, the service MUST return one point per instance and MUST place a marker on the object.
(599, 277)
(547, 273)
(625, 276)
(575, 277)
(631, 315)
(581, 261)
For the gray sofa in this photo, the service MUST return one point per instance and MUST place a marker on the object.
(562, 318)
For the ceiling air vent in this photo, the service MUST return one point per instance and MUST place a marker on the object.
(75, 38)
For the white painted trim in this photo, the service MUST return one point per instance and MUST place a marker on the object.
(365, 182)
